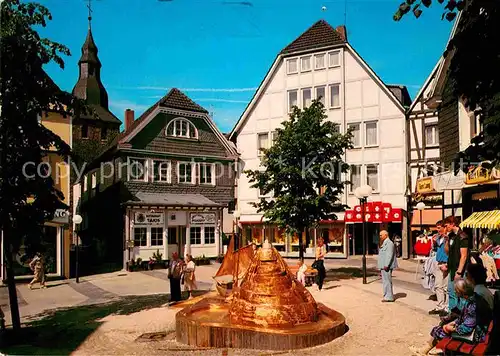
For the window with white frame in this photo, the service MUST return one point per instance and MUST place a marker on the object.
(292, 99)
(185, 172)
(371, 133)
(181, 127)
(355, 177)
(372, 176)
(140, 236)
(195, 235)
(209, 232)
(137, 169)
(207, 173)
(334, 59)
(162, 171)
(292, 67)
(321, 94)
(319, 61)
(306, 97)
(262, 143)
(274, 137)
(356, 134)
(305, 64)
(431, 135)
(156, 236)
(335, 95)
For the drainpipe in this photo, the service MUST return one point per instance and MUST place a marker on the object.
(406, 245)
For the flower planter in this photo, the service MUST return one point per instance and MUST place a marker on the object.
(156, 265)
(202, 262)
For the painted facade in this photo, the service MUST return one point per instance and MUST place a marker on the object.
(325, 65)
(163, 184)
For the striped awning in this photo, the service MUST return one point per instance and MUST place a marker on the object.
(483, 219)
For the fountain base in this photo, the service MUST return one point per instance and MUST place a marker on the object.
(206, 324)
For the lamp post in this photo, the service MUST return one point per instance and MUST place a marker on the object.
(77, 219)
(362, 193)
(236, 238)
(421, 207)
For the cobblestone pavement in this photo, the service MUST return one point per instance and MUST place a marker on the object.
(375, 328)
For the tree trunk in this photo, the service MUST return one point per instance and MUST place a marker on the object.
(11, 283)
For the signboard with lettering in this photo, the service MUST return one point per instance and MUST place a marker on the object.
(148, 219)
(61, 216)
(435, 199)
(425, 185)
(479, 174)
(202, 219)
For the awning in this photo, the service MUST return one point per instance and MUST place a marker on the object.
(429, 217)
(172, 200)
(483, 220)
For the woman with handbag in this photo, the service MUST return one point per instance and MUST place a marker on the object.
(319, 263)
(189, 277)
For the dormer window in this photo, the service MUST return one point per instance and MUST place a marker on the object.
(181, 128)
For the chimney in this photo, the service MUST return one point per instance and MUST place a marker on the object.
(129, 118)
(342, 32)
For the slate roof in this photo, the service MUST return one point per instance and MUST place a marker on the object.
(102, 113)
(172, 199)
(319, 35)
(401, 93)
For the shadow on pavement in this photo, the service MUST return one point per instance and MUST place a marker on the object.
(338, 274)
(61, 331)
(400, 296)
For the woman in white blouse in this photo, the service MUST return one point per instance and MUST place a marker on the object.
(189, 276)
(319, 265)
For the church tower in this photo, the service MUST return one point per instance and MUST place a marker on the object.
(102, 124)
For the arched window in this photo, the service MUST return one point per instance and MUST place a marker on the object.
(181, 127)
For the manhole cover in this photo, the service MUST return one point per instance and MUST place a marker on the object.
(152, 337)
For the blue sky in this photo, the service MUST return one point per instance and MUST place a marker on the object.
(218, 51)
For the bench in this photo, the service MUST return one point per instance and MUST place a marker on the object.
(311, 274)
(453, 346)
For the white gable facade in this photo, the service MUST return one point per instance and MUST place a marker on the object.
(354, 97)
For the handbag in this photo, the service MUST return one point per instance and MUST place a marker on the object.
(315, 265)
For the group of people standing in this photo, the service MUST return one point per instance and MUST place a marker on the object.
(464, 303)
(181, 272)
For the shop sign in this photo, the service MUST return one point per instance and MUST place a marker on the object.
(148, 219)
(202, 218)
(376, 212)
(427, 199)
(449, 181)
(479, 174)
(61, 216)
(425, 185)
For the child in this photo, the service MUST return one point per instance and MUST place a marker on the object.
(301, 273)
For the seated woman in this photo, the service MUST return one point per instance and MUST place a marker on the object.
(476, 275)
(462, 327)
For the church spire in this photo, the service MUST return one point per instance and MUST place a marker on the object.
(89, 86)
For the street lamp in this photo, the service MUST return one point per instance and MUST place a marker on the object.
(421, 206)
(362, 193)
(77, 219)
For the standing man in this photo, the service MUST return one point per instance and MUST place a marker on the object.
(387, 261)
(441, 272)
(174, 276)
(457, 248)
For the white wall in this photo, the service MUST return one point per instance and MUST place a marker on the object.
(362, 100)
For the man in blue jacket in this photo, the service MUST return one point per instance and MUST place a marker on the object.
(387, 261)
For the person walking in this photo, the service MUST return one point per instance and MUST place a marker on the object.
(189, 276)
(441, 272)
(174, 276)
(457, 248)
(38, 267)
(319, 263)
(386, 263)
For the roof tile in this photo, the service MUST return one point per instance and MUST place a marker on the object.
(319, 35)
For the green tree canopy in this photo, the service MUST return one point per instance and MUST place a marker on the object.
(302, 170)
(475, 60)
(27, 195)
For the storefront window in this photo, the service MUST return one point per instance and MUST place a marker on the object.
(334, 238)
(156, 236)
(209, 235)
(140, 236)
(195, 235)
(257, 234)
(172, 235)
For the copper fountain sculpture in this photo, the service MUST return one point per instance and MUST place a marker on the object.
(269, 310)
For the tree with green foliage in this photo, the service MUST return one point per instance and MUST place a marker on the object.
(473, 70)
(303, 172)
(27, 197)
